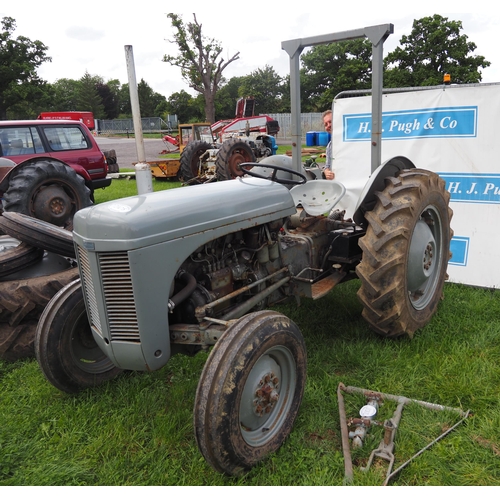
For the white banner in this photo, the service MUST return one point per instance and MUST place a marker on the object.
(451, 131)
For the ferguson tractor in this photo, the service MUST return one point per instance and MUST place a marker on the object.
(276, 235)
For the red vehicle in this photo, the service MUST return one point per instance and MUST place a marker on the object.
(57, 166)
(86, 117)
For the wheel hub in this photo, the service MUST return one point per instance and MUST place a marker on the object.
(266, 395)
(422, 253)
(234, 163)
(52, 205)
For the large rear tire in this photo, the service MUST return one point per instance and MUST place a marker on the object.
(47, 190)
(191, 160)
(233, 152)
(65, 349)
(405, 253)
(250, 391)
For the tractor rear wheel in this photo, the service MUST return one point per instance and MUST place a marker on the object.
(191, 160)
(250, 391)
(65, 348)
(47, 190)
(405, 253)
(233, 152)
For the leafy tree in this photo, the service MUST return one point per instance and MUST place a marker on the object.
(88, 99)
(125, 105)
(266, 87)
(19, 60)
(227, 96)
(434, 47)
(65, 95)
(181, 104)
(199, 60)
(331, 68)
(148, 99)
(109, 99)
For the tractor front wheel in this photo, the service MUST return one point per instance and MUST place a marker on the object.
(405, 253)
(65, 348)
(250, 391)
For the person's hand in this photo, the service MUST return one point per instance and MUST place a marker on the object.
(329, 174)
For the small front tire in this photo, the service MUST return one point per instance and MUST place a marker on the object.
(65, 349)
(250, 391)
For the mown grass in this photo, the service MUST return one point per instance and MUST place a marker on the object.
(137, 429)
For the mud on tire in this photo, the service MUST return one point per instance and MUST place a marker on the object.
(405, 253)
(21, 304)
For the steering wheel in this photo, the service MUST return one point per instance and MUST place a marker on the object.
(272, 177)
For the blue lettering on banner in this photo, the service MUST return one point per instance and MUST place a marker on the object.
(473, 188)
(459, 121)
(459, 247)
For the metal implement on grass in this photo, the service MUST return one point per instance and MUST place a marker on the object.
(385, 449)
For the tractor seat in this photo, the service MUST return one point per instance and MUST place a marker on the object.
(318, 197)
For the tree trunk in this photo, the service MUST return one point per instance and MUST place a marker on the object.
(209, 106)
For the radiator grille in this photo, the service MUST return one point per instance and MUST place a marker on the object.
(88, 288)
(118, 293)
(116, 282)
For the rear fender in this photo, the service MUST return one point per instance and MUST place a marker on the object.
(376, 182)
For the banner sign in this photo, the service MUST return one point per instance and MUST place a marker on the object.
(451, 131)
(415, 124)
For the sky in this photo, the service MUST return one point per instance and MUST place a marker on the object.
(91, 36)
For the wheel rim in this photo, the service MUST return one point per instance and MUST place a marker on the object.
(85, 353)
(267, 396)
(53, 204)
(425, 258)
(237, 157)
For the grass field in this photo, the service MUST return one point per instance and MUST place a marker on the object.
(138, 430)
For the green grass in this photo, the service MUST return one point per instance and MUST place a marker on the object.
(137, 430)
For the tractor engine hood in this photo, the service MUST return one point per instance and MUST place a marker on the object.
(144, 220)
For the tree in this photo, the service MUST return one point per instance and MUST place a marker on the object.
(109, 98)
(181, 104)
(266, 87)
(65, 92)
(434, 47)
(88, 99)
(331, 68)
(19, 60)
(199, 61)
(227, 96)
(148, 99)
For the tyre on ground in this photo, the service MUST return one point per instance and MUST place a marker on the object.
(22, 301)
(250, 391)
(38, 233)
(65, 347)
(16, 256)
